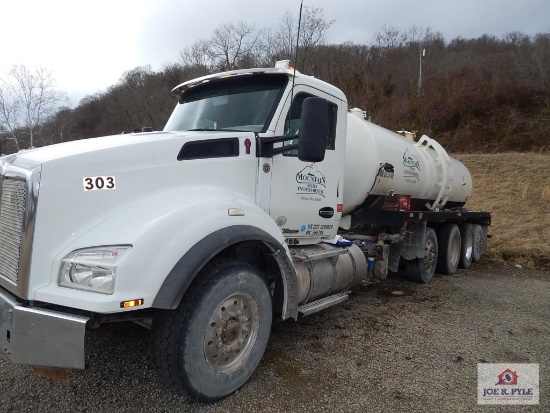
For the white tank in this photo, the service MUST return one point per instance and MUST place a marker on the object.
(380, 162)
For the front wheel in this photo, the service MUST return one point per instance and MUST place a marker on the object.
(211, 344)
(422, 269)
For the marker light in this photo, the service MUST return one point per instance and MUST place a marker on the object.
(131, 303)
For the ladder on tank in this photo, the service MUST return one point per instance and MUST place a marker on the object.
(445, 183)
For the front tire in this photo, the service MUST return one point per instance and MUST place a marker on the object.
(211, 344)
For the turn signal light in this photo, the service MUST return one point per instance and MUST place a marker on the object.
(131, 303)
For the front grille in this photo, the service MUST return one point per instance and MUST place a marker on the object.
(12, 215)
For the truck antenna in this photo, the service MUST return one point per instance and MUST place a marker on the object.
(296, 53)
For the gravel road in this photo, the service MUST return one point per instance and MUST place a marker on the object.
(394, 346)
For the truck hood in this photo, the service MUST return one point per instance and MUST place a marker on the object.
(61, 150)
(147, 182)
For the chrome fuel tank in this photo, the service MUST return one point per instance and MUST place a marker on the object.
(325, 269)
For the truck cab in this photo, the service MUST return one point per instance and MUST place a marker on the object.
(298, 195)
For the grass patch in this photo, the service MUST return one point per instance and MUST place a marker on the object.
(515, 188)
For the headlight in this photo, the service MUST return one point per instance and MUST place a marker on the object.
(92, 269)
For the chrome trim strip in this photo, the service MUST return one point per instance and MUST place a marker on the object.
(29, 172)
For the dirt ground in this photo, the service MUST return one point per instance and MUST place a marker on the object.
(394, 346)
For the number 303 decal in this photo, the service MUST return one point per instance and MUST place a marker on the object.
(95, 183)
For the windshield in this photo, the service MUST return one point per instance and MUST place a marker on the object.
(241, 103)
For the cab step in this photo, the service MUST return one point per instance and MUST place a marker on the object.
(323, 303)
(320, 255)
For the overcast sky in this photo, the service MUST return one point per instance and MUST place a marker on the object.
(88, 45)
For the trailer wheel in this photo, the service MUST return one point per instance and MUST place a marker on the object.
(467, 245)
(422, 270)
(211, 344)
(478, 242)
(448, 238)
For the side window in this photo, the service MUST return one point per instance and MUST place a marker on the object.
(293, 118)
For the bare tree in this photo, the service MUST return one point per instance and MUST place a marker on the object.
(29, 97)
(9, 114)
(281, 41)
(230, 43)
(196, 55)
(285, 34)
(389, 37)
(313, 28)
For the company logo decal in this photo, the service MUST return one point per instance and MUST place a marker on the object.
(412, 167)
(311, 182)
(410, 160)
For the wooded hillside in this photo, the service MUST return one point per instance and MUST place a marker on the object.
(475, 95)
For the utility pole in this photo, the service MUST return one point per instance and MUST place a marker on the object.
(421, 53)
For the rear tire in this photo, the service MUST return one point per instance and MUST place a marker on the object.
(211, 344)
(479, 242)
(422, 270)
(467, 246)
(448, 238)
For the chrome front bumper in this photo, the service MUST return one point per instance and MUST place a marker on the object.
(39, 337)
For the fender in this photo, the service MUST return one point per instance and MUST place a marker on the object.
(162, 229)
(183, 273)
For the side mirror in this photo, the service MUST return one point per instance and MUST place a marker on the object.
(313, 130)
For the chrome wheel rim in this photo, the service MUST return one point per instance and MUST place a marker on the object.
(478, 243)
(231, 333)
(455, 250)
(469, 247)
(430, 257)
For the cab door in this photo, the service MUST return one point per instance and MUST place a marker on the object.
(306, 197)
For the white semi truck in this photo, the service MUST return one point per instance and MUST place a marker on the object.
(263, 199)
